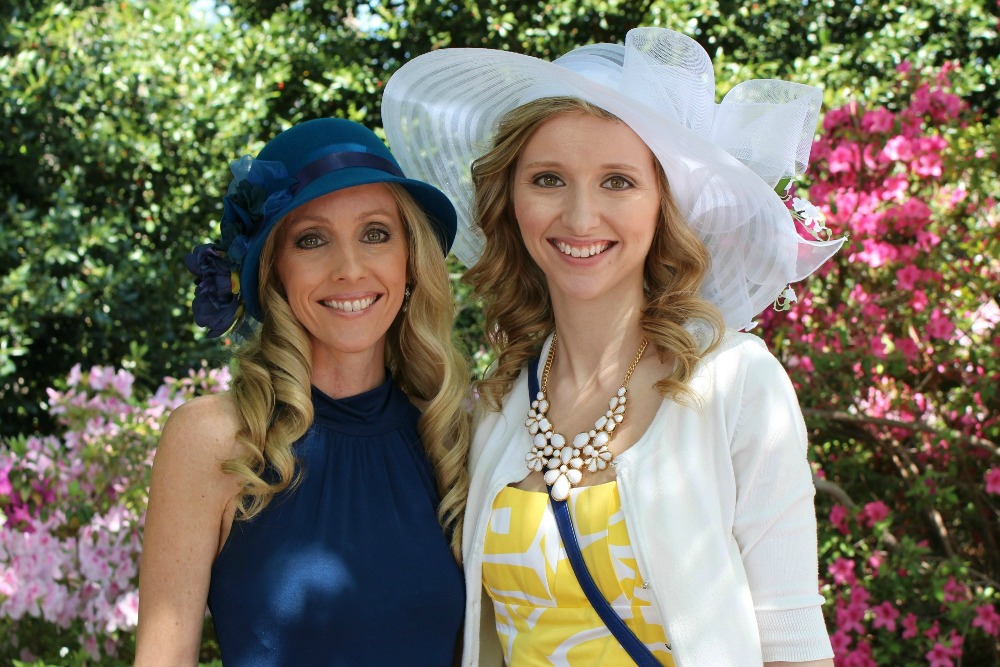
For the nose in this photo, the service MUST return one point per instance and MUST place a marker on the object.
(347, 263)
(583, 213)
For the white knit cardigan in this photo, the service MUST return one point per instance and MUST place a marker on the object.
(718, 501)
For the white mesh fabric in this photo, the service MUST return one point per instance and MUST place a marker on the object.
(674, 72)
(597, 62)
(441, 110)
(768, 125)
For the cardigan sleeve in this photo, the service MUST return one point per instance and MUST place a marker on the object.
(775, 519)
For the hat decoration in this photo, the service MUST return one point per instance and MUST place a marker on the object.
(259, 189)
(307, 161)
(723, 161)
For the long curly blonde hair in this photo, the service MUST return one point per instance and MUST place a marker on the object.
(272, 380)
(516, 303)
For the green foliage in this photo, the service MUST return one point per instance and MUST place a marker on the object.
(119, 119)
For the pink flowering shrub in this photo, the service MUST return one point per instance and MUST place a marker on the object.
(893, 349)
(71, 515)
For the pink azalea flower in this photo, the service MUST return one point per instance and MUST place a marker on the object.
(907, 277)
(841, 642)
(898, 149)
(885, 616)
(122, 383)
(876, 253)
(860, 597)
(875, 561)
(934, 143)
(838, 517)
(957, 196)
(74, 376)
(927, 241)
(920, 101)
(927, 166)
(850, 618)
(128, 607)
(836, 117)
(919, 301)
(859, 657)
(907, 348)
(915, 212)
(878, 120)
(845, 159)
(842, 571)
(993, 480)
(100, 377)
(873, 513)
(940, 326)
(803, 363)
(987, 619)
(939, 656)
(910, 626)
(5, 486)
(8, 582)
(955, 591)
(894, 188)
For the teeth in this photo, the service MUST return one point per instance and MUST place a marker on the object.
(350, 306)
(585, 251)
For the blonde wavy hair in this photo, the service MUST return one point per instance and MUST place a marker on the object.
(516, 303)
(272, 389)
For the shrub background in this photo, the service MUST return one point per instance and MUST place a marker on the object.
(119, 119)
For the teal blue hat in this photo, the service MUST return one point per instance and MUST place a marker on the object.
(306, 161)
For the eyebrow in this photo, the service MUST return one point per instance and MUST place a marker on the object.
(610, 166)
(298, 219)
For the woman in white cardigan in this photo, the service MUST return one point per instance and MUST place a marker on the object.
(621, 227)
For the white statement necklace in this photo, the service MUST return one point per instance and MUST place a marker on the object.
(563, 462)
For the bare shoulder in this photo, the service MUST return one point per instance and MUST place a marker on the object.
(188, 480)
(203, 428)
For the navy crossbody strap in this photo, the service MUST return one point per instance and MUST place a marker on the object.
(632, 644)
(532, 381)
(638, 651)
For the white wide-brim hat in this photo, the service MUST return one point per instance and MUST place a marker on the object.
(723, 161)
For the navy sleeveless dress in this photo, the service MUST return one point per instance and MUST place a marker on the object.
(351, 566)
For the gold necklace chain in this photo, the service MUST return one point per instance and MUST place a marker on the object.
(552, 355)
(563, 463)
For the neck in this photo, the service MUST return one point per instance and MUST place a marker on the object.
(340, 375)
(597, 340)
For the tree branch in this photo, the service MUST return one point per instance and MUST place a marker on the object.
(838, 492)
(839, 415)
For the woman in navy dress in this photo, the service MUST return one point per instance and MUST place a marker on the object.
(316, 506)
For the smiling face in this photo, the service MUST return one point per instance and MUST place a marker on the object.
(587, 202)
(342, 260)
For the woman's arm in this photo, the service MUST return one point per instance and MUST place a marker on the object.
(190, 500)
(775, 522)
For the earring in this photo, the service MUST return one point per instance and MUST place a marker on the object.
(406, 298)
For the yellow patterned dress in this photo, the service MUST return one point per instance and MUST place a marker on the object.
(543, 616)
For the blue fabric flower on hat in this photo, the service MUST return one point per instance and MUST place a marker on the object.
(259, 189)
(216, 304)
